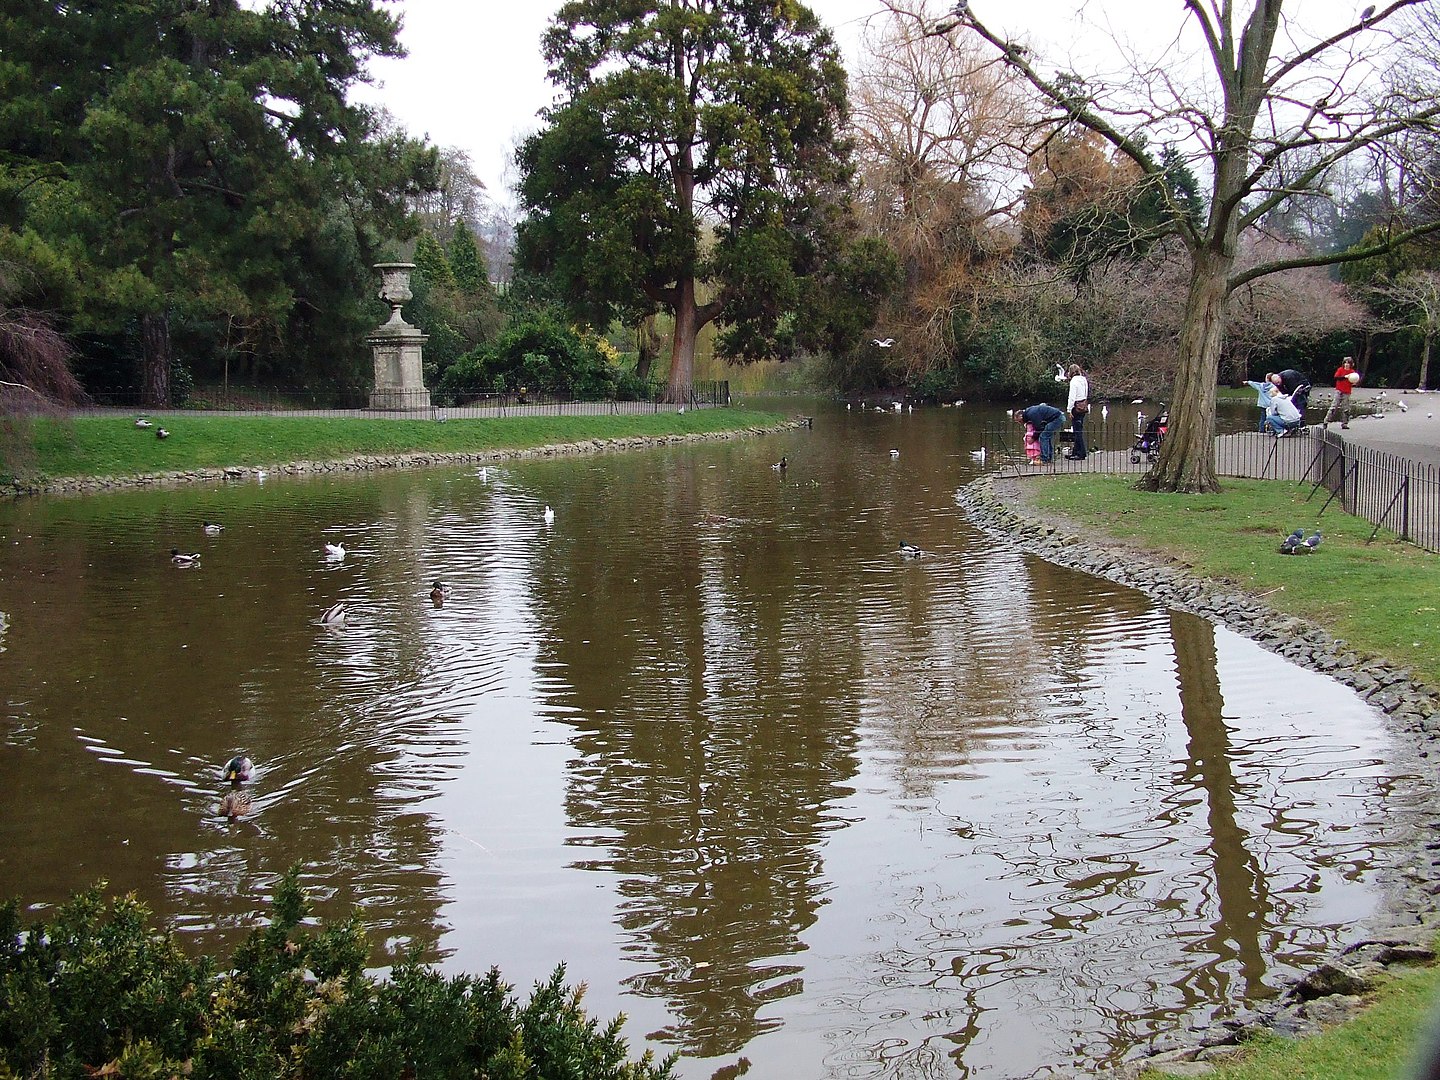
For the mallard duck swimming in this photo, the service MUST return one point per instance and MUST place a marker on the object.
(238, 769)
(909, 550)
(180, 558)
(212, 528)
(335, 552)
(780, 465)
(439, 592)
(237, 801)
(334, 615)
(236, 804)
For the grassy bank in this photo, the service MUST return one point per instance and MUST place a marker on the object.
(93, 446)
(1379, 1044)
(1381, 597)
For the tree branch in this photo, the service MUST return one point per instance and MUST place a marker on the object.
(1348, 255)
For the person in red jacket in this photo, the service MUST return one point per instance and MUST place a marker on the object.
(1345, 379)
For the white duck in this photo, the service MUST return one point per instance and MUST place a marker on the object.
(335, 552)
(549, 516)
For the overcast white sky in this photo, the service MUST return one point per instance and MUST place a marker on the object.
(474, 77)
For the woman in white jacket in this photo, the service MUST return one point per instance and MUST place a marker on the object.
(1079, 396)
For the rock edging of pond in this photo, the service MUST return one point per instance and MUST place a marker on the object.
(75, 485)
(1405, 930)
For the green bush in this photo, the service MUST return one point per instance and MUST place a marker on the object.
(98, 991)
(537, 351)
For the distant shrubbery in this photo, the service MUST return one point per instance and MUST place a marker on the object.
(540, 352)
(99, 992)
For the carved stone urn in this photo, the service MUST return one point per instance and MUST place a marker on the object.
(397, 347)
(395, 288)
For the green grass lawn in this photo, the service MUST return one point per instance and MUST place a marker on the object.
(1381, 597)
(111, 446)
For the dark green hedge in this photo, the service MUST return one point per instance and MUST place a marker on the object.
(100, 992)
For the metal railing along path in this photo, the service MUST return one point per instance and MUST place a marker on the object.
(421, 405)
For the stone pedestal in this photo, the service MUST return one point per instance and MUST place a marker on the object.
(397, 347)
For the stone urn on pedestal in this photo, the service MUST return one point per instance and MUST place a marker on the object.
(399, 379)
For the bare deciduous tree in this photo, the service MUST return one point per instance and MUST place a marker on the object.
(1272, 107)
(937, 129)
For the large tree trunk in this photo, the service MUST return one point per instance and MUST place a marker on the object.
(647, 347)
(682, 346)
(156, 361)
(1187, 457)
(1425, 361)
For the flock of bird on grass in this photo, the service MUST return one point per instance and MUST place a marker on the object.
(1297, 543)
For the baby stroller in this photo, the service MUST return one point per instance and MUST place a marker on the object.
(1149, 436)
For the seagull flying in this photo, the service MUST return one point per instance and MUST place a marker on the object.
(894, 452)
(884, 343)
(978, 455)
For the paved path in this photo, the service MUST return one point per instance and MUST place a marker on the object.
(1412, 432)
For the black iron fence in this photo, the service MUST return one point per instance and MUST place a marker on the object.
(1389, 491)
(413, 404)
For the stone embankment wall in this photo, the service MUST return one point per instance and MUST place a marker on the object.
(371, 462)
(1405, 930)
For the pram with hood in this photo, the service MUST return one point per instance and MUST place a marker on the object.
(1149, 436)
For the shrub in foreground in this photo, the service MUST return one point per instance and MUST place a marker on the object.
(99, 991)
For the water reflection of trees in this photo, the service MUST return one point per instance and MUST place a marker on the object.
(1243, 911)
(714, 724)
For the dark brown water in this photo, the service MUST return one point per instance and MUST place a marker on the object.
(764, 785)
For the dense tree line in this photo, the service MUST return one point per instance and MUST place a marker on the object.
(186, 185)
(187, 190)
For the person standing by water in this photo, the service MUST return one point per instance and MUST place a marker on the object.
(1077, 405)
(1047, 420)
(1345, 379)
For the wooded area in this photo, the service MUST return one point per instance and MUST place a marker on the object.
(189, 195)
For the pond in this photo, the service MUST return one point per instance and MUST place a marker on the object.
(764, 785)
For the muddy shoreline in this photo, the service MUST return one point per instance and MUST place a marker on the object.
(1404, 929)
